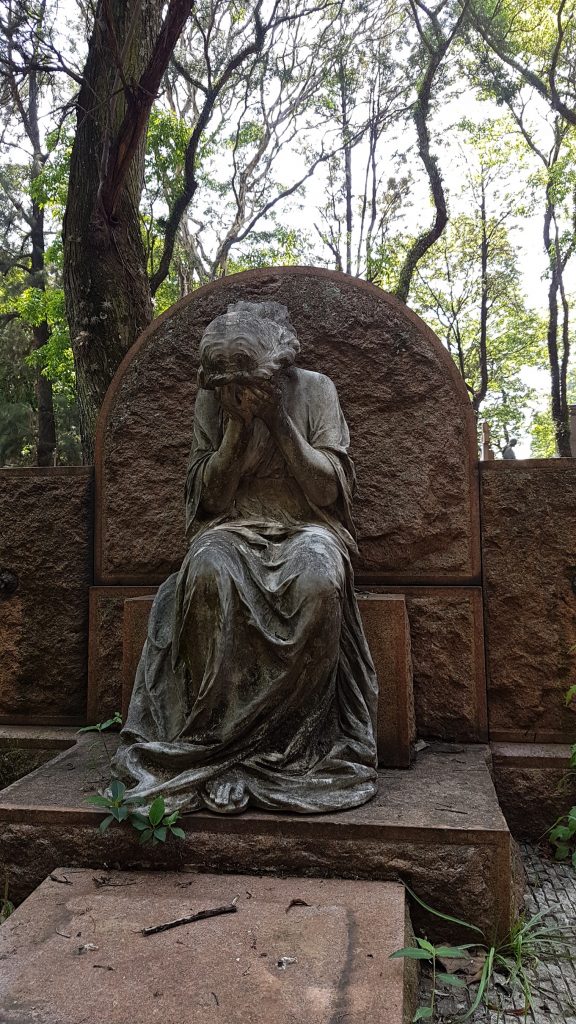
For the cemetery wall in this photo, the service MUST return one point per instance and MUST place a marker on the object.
(46, 542)
(528, 511)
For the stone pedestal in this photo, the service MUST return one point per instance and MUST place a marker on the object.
(387, 630)
(437, 826)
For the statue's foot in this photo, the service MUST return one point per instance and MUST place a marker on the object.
(226, 797)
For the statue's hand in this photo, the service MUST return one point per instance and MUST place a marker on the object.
(237, 402)
(267, 402)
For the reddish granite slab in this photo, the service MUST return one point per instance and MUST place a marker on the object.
(79, 946)
(437, 825)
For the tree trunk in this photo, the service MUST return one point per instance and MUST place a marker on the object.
(347, 165)
(480, 395)
(560, 411)
(46, 441)
(108, 297)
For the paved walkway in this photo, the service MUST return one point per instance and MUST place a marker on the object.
(552, 887)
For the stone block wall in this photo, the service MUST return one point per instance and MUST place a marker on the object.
(46, 564)
(528, 513)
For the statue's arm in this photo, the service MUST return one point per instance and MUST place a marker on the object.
(223, 469)
(312, 470)
(308, 465)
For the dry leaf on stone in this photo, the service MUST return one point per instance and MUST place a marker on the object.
(470, 966)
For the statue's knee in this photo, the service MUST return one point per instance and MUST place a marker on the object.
(316, 584)
(207, 569)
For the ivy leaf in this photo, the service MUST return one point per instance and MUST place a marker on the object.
(146, 836)
(117, 790)
(160, 834)
(105, 823)
(180, 833)
(98, 800)
(139, 822)
(157, 811)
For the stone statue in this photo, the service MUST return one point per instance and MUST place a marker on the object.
(508, 450)
(255, 685)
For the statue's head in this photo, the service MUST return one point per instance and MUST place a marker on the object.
(252, 341)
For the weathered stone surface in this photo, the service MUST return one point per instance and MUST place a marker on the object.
(438, 826)
(46, 541)
(135, 628)
(446, 635)
(413, 438)
(534, 785)
(106, 649)
(529, 560)
(446, 643)
(387, 631)
(324, 960)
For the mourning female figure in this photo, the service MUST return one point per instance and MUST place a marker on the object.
(255, 685)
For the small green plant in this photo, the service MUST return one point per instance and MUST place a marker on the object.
(431, 954)
(154, 827)
(103, 726)
(562, 835)
(528, 943)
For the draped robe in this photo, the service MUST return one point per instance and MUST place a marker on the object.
(255, 666)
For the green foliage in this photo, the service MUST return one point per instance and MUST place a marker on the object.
(562, 835)
(154, 826)
(543, 438)
(110, 723)
(528, 942)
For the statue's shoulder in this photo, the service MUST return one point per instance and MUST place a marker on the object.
(313, 383)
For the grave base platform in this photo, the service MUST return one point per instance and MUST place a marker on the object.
(295, 949)
(437, 826)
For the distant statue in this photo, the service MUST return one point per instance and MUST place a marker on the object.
(256, 685)
(508, 450)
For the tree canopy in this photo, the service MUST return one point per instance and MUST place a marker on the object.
(150, 147)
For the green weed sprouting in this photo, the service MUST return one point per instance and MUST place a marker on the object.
(154, 827)
(527, 944)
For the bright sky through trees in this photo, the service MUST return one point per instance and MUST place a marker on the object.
(428, 149)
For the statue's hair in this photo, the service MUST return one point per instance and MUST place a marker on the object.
(265, 330)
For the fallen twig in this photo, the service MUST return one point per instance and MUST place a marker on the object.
(230, 908)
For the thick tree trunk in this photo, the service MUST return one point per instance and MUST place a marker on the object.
(108, 297)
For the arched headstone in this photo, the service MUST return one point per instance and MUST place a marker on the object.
(412, 431)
